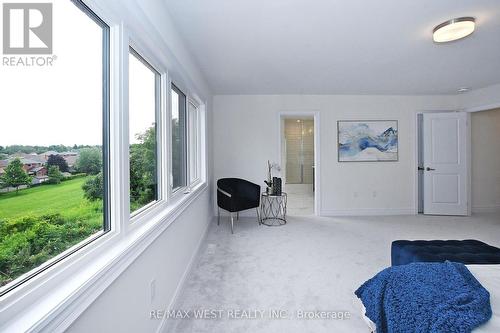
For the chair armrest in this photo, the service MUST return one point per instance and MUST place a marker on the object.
(225, 200)
(224, 192)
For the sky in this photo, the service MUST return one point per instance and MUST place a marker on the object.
(175, 104)
(62, 104)
(142, 82)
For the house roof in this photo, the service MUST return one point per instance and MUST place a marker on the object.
(33, 157)
(50, 152)
(36, 169)
(29, 161)
(24, 160)
(71, 160)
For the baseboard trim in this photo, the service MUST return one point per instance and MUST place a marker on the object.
(486, 209)
(339, 212)
(182, 282)
(367, 212)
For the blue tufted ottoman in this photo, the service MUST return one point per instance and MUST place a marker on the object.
(464, 251)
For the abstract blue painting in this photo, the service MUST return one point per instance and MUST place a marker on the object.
(367, 141)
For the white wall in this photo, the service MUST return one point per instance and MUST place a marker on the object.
(246, 135)
(485, 160)
(126, 304)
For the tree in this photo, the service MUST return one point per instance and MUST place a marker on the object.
(59, 162)
(93, 187)
(9, 150)
(143, 168)
(55, 175)
(89, 161)
(58, 148)
(15, 175)
(178, 153)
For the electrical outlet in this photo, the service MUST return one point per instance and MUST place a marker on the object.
(374, 194)
(355, 194)
(152, 286)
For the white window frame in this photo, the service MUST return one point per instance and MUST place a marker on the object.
(159, 116)
(14, 304)
(143, 216)
(53, 299)
(196, 146)
(108, 227)
(176, 193)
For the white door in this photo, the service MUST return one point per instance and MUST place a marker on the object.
(445, 163)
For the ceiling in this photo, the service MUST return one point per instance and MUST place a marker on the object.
(338, 47)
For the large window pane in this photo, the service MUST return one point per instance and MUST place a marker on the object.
(53, 149)
(143, 110)
(178, 109)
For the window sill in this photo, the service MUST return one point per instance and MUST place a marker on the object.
(52, 305)
(136, 214)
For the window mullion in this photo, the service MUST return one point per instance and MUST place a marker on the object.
(168, 137)
(164, 148)
(188, 144)
(119, 130)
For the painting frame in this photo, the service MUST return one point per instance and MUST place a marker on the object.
(395, 124)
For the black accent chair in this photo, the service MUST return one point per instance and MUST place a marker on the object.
(236, 195)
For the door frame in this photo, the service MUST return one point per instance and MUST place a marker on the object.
(468, 158)
(315, 115)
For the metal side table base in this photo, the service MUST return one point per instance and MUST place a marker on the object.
(273, 209)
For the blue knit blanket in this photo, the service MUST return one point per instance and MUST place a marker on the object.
(425, 297)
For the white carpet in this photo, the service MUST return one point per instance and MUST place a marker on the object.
(309, 264)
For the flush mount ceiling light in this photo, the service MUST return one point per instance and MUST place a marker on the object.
(453, 29)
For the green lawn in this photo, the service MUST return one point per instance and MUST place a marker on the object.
(65, 198)
(38, 223)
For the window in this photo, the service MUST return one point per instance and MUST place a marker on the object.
(178, 118)
(194, 142)
(144, 84)
(54, 148)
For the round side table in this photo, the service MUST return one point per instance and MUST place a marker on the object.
(273, 209)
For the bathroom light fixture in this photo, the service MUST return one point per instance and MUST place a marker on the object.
(463, 90)
(454, 29)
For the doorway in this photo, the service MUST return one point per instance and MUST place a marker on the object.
(443, 163)
(298, 163)
(485, 161)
